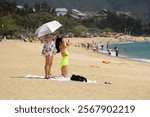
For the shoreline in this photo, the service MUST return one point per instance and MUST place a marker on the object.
(121, 55)
(104, 52)
(139, 58)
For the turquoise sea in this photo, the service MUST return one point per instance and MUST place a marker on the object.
(136, 50)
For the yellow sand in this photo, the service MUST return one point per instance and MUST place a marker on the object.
(129, 79)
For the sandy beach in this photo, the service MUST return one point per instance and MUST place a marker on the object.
(129, 80)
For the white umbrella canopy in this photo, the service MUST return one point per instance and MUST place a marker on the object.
(47, 28)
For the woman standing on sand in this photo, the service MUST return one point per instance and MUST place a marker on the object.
(48, 51)
(61, 46)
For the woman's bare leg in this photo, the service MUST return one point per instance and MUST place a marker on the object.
(46, 67)
(50, 65)
(64, 71)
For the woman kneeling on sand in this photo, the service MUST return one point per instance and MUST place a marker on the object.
(48, 51)
(61, 46)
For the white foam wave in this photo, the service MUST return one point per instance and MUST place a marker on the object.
(143, 60)
(124, 56)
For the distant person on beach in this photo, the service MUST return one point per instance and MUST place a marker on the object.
(88, 46)
(102, 46)
(109, 51)
(116, 51)
(48, 51)
(94, 47)
(61, 46)
(107, 45)
(108, 48)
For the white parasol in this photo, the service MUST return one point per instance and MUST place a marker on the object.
(47, 28)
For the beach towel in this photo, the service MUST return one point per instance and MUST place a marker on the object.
(54, 78)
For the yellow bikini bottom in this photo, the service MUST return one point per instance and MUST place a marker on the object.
(64, 61)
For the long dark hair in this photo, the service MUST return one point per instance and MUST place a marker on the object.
(57, 43)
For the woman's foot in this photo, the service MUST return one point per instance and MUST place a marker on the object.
(50, 76)
(46, 77)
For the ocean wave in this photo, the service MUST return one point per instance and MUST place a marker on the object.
(143, 60)
(124, 56)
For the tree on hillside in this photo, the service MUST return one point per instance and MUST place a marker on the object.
(42, 7)
(37, 6)
(90, 22)
(6, 7)
(8, 26)
(68, 24)
(45, 7)
(26, 7)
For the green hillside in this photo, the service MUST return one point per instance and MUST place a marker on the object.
(139, 7)
(15, 21)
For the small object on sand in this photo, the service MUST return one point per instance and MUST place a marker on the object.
(106, 62)
(107, 83)
(94, 66)
(78, 78)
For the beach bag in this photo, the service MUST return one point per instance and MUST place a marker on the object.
(78, 78)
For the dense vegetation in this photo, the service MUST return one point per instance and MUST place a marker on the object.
(139, 7)
(15, 21)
